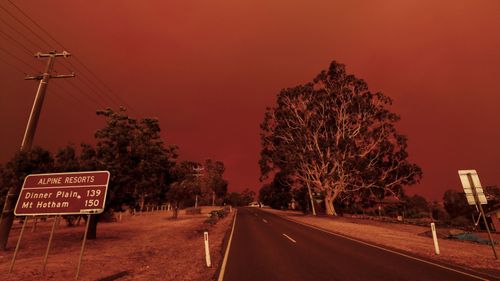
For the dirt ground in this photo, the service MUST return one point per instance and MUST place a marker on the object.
(148, 247)
(408, 238)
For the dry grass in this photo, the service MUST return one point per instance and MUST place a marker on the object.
(147, 247)
(407, 238)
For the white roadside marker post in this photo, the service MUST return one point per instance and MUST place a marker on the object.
(434, 237)
(207, 251)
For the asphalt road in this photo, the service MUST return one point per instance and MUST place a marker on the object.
(267, 247)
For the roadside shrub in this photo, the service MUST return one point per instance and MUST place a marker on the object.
(70, 220)
(215, 215)
(108, 216)
(218, 213)
(461, 221)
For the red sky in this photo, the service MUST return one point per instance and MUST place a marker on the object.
(208, 69)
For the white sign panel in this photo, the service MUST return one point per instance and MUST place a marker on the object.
(464, 178)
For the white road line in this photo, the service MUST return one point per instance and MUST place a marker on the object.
(387, 250)
(289, 238)
(264, 220)
(224, 262)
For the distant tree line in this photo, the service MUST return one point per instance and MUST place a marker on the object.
(452, 210)
(243, 198)
(144, 169)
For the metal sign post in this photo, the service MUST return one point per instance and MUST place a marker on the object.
(17, 245)
(48, 246)
(475, 196)
(83, 247)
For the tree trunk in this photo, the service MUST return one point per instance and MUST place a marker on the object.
(175, 210)
(92, 234)
(330, 209)
(5, 227)
(141, 202)
(7, 216)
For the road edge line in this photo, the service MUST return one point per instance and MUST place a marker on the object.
(387, 250)
(226, 254)
(289, 238)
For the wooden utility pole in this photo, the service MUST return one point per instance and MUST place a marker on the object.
(7, 216)
(198, 174)
(311, 199)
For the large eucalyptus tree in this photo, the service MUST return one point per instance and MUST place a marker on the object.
(338, 138)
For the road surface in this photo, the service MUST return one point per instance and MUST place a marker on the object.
(265, 247)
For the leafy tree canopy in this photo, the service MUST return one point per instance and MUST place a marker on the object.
(277, 194)
(337, 137)
(455, 204)
(139, 162)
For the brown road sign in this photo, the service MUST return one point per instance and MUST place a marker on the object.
(63, 194)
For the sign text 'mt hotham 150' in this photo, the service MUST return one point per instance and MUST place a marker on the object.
(63, 194)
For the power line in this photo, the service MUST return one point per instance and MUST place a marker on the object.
(17, 68)
(76, 58)
(37, 25)
(20, 60)
(29, 52)
(84, 93)
(27, 27)
(21, 34)
(17, 42)
(74, 99)
(13, 66)
(105, 85)
(61, 96)
(87, 83)
(91, 85)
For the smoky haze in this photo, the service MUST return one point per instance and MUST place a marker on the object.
(208, 70)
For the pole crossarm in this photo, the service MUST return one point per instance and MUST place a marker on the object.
(47, 75)
(53, 54)
(40, 76)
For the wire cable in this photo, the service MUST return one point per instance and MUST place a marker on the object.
(28, 51)
(13, 66)
(37, 25)
(97, 102)
(74, 98)
(21, 34)
(76, 58)
(105, 85)
(27, 27)
(41, 39)
(89, 84)
(20, 60)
